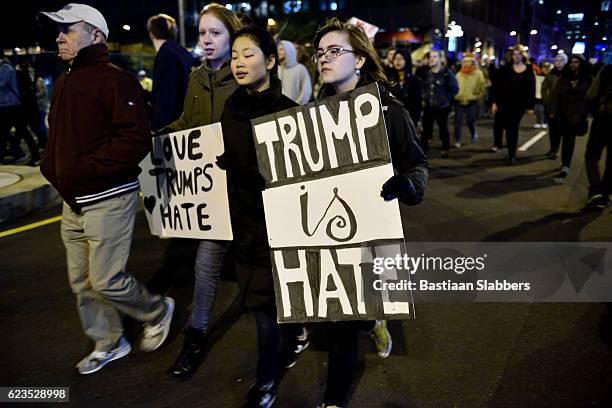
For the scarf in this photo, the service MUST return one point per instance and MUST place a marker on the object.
(468, 70)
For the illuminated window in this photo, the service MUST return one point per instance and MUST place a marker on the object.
(575, 17)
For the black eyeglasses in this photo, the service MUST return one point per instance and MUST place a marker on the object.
(331, 54)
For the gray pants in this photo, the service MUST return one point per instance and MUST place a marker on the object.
(97, 245)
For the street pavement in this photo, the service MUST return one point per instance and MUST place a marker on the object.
(451, 355)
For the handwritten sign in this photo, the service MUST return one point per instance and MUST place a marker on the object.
(184, 192)
(324, 165)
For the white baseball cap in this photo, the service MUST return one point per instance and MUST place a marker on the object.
(75, 13)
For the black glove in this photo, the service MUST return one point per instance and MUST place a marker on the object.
(399, 187)
(222, 162)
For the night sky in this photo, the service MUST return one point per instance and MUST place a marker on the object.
(21, 29)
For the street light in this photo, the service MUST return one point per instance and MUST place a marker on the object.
(560, 52)
(512, 33)
(533, 32)
(553, 47)
(127, 27)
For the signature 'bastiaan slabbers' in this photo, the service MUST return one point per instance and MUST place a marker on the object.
(448, 285)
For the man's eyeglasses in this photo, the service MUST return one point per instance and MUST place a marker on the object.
(331, 54)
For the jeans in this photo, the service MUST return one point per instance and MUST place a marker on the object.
(209, 261)
(469, 111)
(44, 131)
(599, 139)
(568, 141)
(539, 113)
(554, 134)
(440, 115)
(507, 119)
(268, 345)
(343, 358)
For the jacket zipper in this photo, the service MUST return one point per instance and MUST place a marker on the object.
(212, 98)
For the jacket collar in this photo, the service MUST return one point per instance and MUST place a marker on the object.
(327, 90)
(92, 54)
(223, 74)
(256, 102)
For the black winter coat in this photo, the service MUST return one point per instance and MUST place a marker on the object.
(569, 103)
(406, 154)
(411, 95)
(245, 185)
(170, 77)
(514, 91)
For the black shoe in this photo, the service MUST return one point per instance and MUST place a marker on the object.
(18, 158)
(261, 396)
(296, 346)
(191, 355)
(511, 161)
(552, 155)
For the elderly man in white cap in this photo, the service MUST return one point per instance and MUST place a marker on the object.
(98, 133)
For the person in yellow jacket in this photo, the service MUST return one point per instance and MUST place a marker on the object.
(472, 88)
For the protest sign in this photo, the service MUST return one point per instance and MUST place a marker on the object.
(370, 30)
(324, 165)
(184, 192)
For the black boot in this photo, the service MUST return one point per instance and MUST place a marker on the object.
(191, 355)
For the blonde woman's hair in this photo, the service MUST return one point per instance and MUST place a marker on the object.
(519, 48)
(227, 17)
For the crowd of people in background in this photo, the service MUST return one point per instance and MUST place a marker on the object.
(562, 94)
(24, 103)
(244, 73)
(432, 90)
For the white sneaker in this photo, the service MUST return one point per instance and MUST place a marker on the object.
(545, 126)
(537, 126)
(98, 359)
(155, 334)
(457, 144)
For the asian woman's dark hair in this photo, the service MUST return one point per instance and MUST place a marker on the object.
(372, 70)
(584, 72)
(404, 52)
(264, 41)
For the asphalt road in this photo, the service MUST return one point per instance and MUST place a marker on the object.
(451, 355)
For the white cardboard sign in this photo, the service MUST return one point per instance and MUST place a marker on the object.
(184, 192)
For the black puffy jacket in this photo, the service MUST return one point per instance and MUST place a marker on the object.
(406, 154)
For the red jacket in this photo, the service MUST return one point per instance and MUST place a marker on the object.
(98, 131)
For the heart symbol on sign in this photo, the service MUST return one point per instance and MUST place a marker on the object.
(149, 203)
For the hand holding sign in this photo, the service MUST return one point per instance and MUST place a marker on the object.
(324, 164)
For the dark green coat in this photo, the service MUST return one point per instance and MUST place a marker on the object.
(205, 98)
